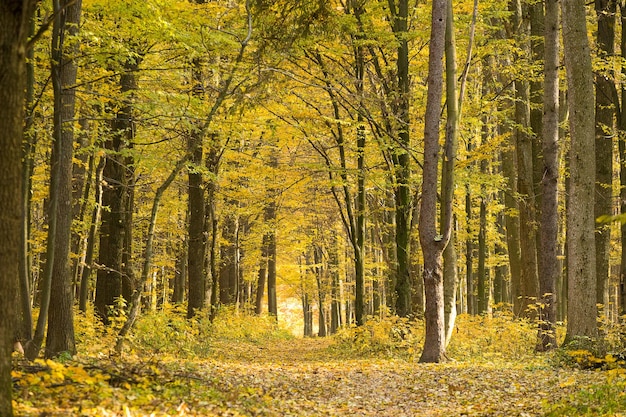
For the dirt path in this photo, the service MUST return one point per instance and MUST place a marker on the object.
(300, 378)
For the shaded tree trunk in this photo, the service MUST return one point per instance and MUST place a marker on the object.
(15, 18)
(402, 160)
(622, 171)
(529, 281)
(30, 138)
(113, 250)
(604, 130)
(196, 236)
(60, 337)
(91, 239)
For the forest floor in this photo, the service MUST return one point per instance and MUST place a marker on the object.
(290, 376)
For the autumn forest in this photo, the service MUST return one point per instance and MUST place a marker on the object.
(216, 207)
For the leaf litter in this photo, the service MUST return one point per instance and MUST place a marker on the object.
(290, 377)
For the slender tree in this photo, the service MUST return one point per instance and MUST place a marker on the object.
(433, 242)
(605, 116)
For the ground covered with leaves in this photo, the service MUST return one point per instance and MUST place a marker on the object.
(241, 366)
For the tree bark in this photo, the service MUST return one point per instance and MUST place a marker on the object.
(15, 16)
(582, 311)
(60, 337)
(549, 211)
(604, 129)
(432, 242)
(91, 239)
(402, 159)
(622, 173)
(527, 290)
(112, 277)
(196, 236)
(450, 275)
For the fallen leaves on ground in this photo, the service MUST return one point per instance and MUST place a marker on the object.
(290, 377)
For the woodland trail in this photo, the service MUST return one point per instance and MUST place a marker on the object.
(300, 378)
(295, 377)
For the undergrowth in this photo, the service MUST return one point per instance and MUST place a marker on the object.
(475, 338)
(169, 331)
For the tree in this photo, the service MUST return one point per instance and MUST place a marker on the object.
(549, 202)
(60, 336)
(113, 280)
(401, 157)
(15, 16)
(605, 112)
(527, 287)
(433, 242)
(581, 262)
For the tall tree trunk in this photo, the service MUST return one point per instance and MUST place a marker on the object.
(549, 211)
(272, 302)
(196, 236)
(113, 248)
(15, 16)
(30, 137)
(262, 276)
(432, 242)
(622, 171)
(482, 279)
(91, 239)
(335, 290)
(605, 112)
(537, 54)
(60, 337)
(529, 281)
(318, 271)
(450, 273)
(229, 257)
(138, 286)
(402, 160)
(582, 311)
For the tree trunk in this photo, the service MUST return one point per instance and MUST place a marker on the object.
(196, 236)
(432, 242)
(272, 302)
(622, 173)
(318, 270)
(450, 275)
(91, 239)
(229, 259)
(582, 311)
(402, 160)
(30, 138)
(529, 281)
(60, 337)
(469, 251)
(113, 248)
(335, 290)
(537, 54)
(135, 299)
(549, 211)
(604, 129)
(482, 279)
(15, 19)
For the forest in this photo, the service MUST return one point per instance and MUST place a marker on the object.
(327, 207)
